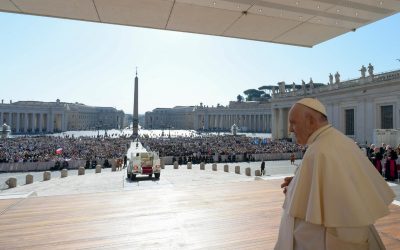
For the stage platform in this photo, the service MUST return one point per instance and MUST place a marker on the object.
(240, 214)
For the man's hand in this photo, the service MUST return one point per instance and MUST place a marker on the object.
(286, 183)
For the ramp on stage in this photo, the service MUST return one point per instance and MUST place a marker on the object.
(232, 215)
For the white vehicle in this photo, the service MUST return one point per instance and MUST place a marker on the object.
(144, 163)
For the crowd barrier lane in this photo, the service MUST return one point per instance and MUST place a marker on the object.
(240, 157)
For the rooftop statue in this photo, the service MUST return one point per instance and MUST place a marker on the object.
(330, 78)
(311, 83)
(282, 88)
(337, 77)
(370, 70)
(303, 86)
(363, 70)
(293, 87)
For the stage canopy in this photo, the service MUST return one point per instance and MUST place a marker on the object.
(303, 23)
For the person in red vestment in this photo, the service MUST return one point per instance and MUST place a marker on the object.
(376, 158)
(390, 164)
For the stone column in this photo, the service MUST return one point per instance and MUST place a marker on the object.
(257, 116)
(280, 123)
(215, 121)
(65, 122)
(40, 122)
(33, 118)
(264, 121)
(49, 120)
(25, 122)
(18, 117)
(196, 122)
(251, 122)
(275, 116)
(285, 127)
(10, 119)
(256, 123)
(1, 118)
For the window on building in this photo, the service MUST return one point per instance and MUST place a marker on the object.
(387, 117)
(349, 119)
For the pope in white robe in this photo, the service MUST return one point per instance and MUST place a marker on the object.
(336, 194)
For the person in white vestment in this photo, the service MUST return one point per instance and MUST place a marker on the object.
(336, 194)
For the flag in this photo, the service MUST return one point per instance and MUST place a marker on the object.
(59, 151)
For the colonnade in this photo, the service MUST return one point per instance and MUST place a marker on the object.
(37, 122)
(280, 123)
(247, 122)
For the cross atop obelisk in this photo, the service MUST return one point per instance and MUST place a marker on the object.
(135, 125)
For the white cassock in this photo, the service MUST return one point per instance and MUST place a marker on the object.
(334, 198)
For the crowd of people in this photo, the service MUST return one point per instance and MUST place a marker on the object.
(384, 158)
(201, 148)
(49, 148)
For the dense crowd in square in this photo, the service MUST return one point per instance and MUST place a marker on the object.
(44, 148)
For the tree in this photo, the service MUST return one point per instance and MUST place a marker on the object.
(266, 87)
(252, 94)
(240, 98)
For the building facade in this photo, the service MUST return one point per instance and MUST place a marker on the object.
(49, 117)
(356, 107)
(180, 117)
(248, 116)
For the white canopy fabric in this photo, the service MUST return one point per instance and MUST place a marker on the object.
(296, 22)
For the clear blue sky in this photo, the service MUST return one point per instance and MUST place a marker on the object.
(47, 58)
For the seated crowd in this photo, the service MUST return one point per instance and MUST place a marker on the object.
(197, 149)
(44, 148)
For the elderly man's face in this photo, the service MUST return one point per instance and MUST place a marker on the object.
(298, 124)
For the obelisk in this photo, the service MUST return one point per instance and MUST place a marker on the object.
(135, 125)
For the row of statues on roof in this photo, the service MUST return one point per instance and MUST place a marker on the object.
(337, 78)
(363, 70)
(370, 70)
